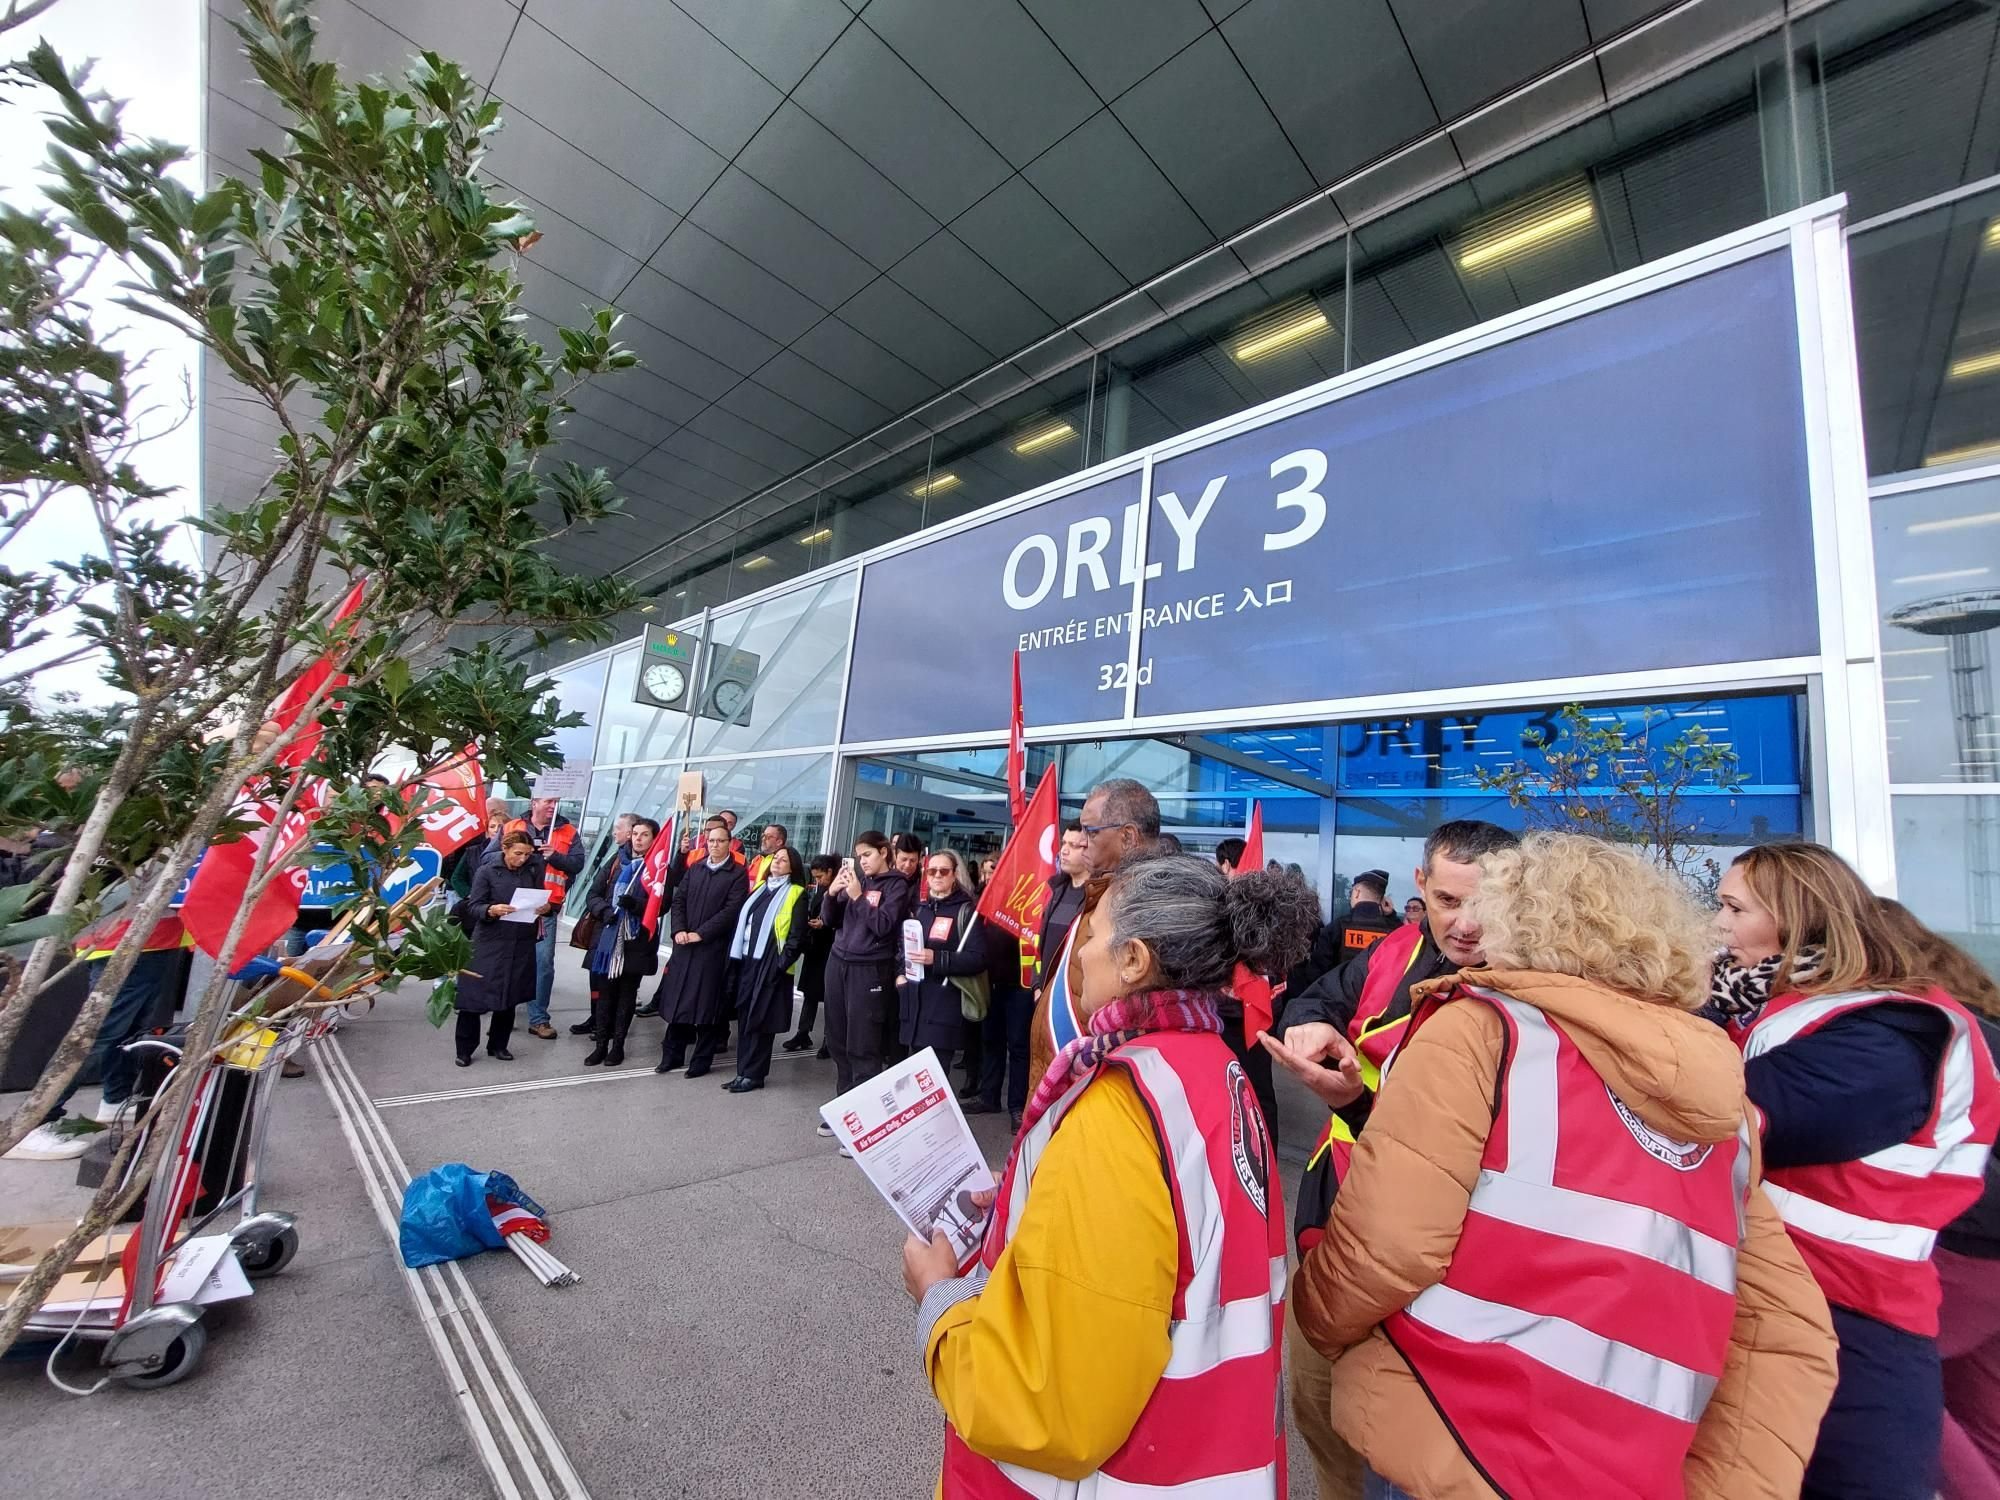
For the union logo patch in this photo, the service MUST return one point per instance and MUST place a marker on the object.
(1682, 1156)
(1249, 1138)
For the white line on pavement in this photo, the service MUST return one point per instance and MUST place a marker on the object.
(528, 1085)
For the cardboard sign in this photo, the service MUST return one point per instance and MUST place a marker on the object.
(691, 793)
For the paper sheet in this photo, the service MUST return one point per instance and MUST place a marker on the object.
(528, 904)
(909, 1136)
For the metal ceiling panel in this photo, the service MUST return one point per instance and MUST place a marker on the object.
(746, 215)
(715, 491)
(1233, 176)
(994, 65)
(1060, 351)
(1115, 43)
(471, 31)
(781, 39)
(607, 400)
(1409, 174)
(620, 448)
(1337, 76)
(553, 296)
(1097, 178)
(728, 430)
(1561, 99)
(558, 87)
(669, 60)
(805, 384)
(694, 320)
(648, 391)
(704, 265)
(1469, 54)
(1291, 233)
(1222, 10)
(875, 102)
(790, 421)
(912, 332)
(719, 459)
(1016, 232)
(551, 170)
(816, 172)
(943, 273)
(1609, 17)
(670, 359)
(570, 250)
(865, 365)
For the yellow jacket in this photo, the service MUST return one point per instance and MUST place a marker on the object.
(1051, 1364)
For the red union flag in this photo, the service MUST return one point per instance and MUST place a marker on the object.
(659, 861)
(1258, 994)
(454, 799)
(219, 885)
(1015, 897)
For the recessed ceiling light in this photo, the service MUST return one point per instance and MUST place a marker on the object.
(937, 484)
(1046, 436)
(1269, 335)
(1528, 227)
(1974, 365)
(647, 609)
(814, 538)
(1942, 577)
(761, 560)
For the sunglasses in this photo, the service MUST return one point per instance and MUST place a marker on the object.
(946, 870)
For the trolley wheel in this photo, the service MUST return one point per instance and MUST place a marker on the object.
(182, 1358)
(271, 1257)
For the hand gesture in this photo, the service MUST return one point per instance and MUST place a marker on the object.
(1303, 1053)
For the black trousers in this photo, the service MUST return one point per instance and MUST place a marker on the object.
(860, 1009)
(500, 1026)
(753, 1054)
(613, 1001)
(1003, 1041)
(812, 985)
(706, 1041)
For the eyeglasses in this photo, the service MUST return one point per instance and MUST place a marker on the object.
(944, 870)
(1092, 830)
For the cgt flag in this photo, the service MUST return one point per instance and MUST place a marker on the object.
(222, 880)
(1015, 897)
(454, 801)
(659, 863)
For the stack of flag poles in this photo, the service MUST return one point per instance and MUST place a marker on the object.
(525, 1235)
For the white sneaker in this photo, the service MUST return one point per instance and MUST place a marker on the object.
(845, 1152)
(824, 1129)
(110, 1114)
(59, 1140)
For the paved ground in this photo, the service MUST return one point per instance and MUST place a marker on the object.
(741, 1328)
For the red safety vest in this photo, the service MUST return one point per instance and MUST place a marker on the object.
(101, 938)
(1585, 1316)
(1866, 1227)
(562, 838)
(1213, 1426)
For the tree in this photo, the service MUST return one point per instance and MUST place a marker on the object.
(1630, 785)
(362, 292)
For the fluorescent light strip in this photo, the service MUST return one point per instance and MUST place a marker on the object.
(1043, 437)
(1944, 577)
(1973, 365)
(1506, 239)
(937, 484)
(814, 538)
(1309, 323)
(761, 560)
(1917, 651)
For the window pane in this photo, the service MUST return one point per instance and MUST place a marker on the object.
(1927, 326)
(787, 789)
(580, 690)
(634, 730)
(1948, 869)
(1937, 579)
(775, 670)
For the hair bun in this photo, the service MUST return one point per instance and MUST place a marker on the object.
(1271, 919)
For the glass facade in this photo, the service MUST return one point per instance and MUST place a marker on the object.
(1894, 103)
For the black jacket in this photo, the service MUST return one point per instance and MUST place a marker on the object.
(642, 953)
(1058, 916)
(870, 931)
(1367, 921)
(930, 1010)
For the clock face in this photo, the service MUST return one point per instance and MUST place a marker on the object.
(729, 696)
(665, 681)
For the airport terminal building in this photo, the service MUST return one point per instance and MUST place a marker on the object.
(1318, 396)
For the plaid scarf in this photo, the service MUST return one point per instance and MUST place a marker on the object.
(1110, 1028)
(1736, 995)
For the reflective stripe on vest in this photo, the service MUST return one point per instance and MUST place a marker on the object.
(1593, 1283)
(1867, 1228)
(1212, 1427)
(562, 838)
(1374, 1038)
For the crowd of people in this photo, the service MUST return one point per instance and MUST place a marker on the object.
(1703, 1193)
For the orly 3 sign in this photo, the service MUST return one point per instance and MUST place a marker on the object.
(1619, 492)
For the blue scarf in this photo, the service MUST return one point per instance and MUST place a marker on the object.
(766, 903)
(608, 956)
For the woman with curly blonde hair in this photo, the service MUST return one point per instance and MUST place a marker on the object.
(1549, 1270)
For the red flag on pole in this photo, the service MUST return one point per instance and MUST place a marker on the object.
(219, 884)
(1016, 896)
(1017, 755)
(659, 860)
(1255, 991)
(455, 799)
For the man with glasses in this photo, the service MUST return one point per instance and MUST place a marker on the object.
(1120, 820)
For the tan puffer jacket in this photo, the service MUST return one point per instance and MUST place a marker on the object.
(1403, 1203)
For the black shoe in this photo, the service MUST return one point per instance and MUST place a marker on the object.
(596, 1056)
(463, 1062)
(582, 1028)
(744, 1085)
(500, 1052)
(730, 1087)
(823, 1055)
(697, 1070)
(668, 1064)
(979, 1107)
(616, 1057)
(647, 1010)
(797, 1044)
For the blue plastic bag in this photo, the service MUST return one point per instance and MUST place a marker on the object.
(445, 1214)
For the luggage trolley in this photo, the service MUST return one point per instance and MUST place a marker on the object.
(208, 1182)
